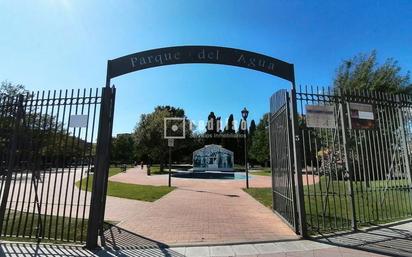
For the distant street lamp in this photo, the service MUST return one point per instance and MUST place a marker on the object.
(245, 113)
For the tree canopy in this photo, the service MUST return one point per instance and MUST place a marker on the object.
(365, 73)
(123, 149)
(9, 89)
(149, 139)
(259, 149)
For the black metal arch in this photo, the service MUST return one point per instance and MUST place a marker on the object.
(199, 54)
(154, 58)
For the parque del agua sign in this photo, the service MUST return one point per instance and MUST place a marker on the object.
(154, 58)
(199, 54)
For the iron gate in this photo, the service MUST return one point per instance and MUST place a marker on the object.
(357, 172)
(47, 157)
(345, 170)
(281, 147)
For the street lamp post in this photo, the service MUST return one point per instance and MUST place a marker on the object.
(170, 144)
(245, 113)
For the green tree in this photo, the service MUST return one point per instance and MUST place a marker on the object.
(365, 73)
(9, 89)
(149, 139)
(259, 149)
(228, 139)
(213, 129)
(240, 144)
(252, 130)
(123, 148)
(230, 127)
(43, 138)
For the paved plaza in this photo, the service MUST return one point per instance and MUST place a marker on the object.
(392, 240)
(211, 218)
(276, 249)
(198, 211)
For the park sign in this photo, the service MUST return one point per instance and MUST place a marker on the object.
(199, 54)
(78, 121)
(320, 116)
(361, 116)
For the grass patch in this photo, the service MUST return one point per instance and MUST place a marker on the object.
(146, 193)
(263, 195)
(155, 170)
(331, 211)
(262, 172)
(114, 171)
(328, 204)
(24, 226)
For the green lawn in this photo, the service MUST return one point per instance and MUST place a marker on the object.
(65, 229)
(56, 229)
(129, 191)
(263, 195)
(373, 204)
(262, 172)
(155, 170)
(331, 212)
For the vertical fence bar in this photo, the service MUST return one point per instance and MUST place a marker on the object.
(96, 98)
(32, 150)
(404, 144)
(62, 151)
(347, 165)
(11, 161)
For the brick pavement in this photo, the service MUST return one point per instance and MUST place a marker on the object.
(199, 211)
(295, 248)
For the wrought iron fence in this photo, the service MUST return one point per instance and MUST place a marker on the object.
(47, 152)
(355, 162)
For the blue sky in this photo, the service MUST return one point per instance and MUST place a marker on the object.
(52, 44)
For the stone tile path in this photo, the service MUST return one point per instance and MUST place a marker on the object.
(393, 239)
(198, 212)
(294, 249)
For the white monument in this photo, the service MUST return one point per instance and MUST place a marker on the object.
(213, 158)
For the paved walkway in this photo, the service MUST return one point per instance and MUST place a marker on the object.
(56, 187)
(295, 248)
(393, 240)
(198, 212)
(121, 242)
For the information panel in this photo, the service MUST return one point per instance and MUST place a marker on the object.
(320, 116)
(361, 116)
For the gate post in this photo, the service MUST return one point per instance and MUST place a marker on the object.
(11, 161)
(106, 177)
(297, 146)
(344, 120)
(96, 213)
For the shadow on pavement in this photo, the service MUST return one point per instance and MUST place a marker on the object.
(209, 192)
(116, 242)
(394, 239)
(40, 250)
(120, 242)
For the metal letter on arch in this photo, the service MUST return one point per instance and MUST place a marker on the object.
(199, 54)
